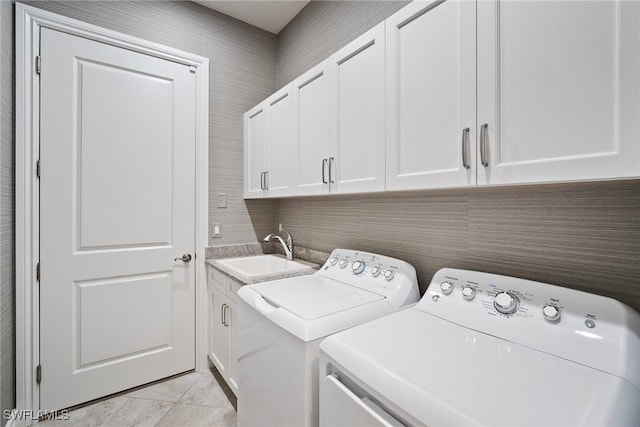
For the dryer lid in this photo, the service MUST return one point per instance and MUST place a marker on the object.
(312, 297)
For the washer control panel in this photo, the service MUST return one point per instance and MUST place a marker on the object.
(572, 324)
(377, 273)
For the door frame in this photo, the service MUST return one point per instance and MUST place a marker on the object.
(28, 21)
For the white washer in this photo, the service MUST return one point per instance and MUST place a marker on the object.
(483, 349)
(281, 324)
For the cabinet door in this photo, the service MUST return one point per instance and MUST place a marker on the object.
(558, 90)
(280, 173)
(313, 94)
(357, 156)
(256, 150)
(233, 359)
(431, 95)
(219, 345)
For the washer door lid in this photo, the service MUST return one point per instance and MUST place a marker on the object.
(312, 297)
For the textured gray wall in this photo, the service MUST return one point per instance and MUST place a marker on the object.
(7, 218)
(321, 28)
(585, 236)
(242, 74)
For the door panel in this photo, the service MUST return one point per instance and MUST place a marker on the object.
(314, 99)
(281, 143)
(256, 128)
(232, 316)
(108, 216)
(559, 90)
(117, 206)
(358, 150)
(220, 344)
(431, 95)
(97, 303)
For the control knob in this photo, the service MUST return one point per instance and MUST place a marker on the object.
(375, 271)
(343, 263)
(358, 267)
(505, 303)
(333, 260)
(446, 287)
(389, 274)
(551, 312)
(468, 293)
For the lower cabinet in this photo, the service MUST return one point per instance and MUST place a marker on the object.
(222, 298)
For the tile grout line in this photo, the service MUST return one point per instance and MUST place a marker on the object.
(190, 387)
(179, 399)
(173, 405)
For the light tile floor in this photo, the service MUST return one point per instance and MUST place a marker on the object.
(194, 399)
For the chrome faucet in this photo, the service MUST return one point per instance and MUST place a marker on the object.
(287, 246)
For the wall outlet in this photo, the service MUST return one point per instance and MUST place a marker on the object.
(216, 229)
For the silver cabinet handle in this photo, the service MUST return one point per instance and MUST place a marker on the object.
(324, 165)
(184, 258)
(465, 148)
(222, 313)
(332, 162)
(266, 180)
(262, 180)
(483, 144)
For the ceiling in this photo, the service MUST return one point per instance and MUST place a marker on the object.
(266, 14)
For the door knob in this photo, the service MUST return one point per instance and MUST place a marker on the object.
(184, 258)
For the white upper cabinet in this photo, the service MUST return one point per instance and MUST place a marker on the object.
(357, 162)
(431, 95)
(313, 125)
(268, 146)
(279, 177)
(459, 93)
(558, 90)
(256, 151)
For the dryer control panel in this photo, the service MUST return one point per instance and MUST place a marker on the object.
(582, 327)
(393, 278)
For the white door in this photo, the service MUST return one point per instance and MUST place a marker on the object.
(358, 157)
(314, 120)
(256, 151)
(116, 207)
(431, 95)
(280, 143)
(558, 90)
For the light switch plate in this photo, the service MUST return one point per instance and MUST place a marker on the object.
(216, 229)
(222, 200)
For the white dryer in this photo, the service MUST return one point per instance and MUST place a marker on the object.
(483, 349)
(281, 324)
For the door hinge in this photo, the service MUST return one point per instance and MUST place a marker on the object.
(38, 168)
(38, 64)
(38, 374)
(192, 68)
(38, 272)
